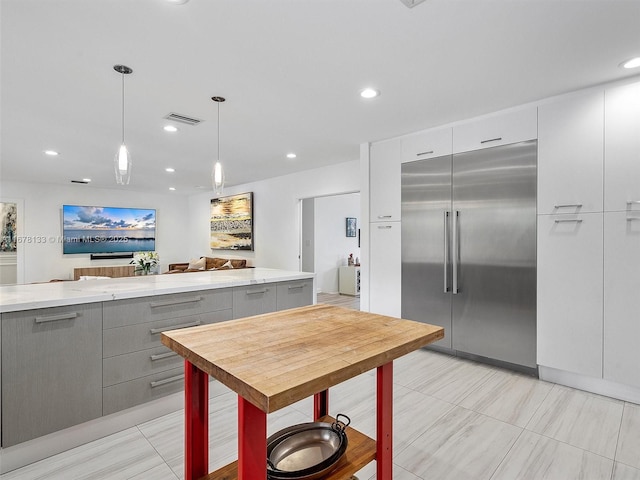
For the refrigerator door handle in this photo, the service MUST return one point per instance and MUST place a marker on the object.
(446, 250)
(456, 251)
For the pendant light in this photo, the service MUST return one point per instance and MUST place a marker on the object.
(217, 175)
(122, 161)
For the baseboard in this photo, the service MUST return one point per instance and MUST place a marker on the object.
(599, 386)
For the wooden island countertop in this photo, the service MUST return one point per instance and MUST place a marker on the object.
(276, 359)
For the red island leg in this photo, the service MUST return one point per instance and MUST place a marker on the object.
(384, 422)
(252, 441)
(196, 422)
(320, 404)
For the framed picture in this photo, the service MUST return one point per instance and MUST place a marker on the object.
(351, 227)
(232, 222)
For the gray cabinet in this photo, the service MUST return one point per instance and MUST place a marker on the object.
(254, 300)
(51, 370)
(294, 294)
(137, 368)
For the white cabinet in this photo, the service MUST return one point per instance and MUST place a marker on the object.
(570, 154)
(570, 284)
(384, 181)
(622, 148)
(428, 144)
(621, 299)
(349, 280)
(385, 269)
(501, 129)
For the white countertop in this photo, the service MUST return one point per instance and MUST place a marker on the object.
(41, 295)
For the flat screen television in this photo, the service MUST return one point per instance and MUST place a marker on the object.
(88, 229)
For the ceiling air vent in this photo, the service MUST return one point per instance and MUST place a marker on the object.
(176, 117)
(412, 3)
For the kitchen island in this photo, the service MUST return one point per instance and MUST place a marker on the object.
(87, 353)
(300, 352)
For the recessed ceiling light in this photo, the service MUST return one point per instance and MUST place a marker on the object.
(170, 170)
(369, 93)
(178, 2)
(172, 188)
(632, 63)
(170, 128)
(51, 153)
(86, 180)
(291, 155)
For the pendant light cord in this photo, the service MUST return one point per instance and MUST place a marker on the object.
(218, 131)
(122, 75)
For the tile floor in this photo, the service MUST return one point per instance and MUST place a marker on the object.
(453, 419)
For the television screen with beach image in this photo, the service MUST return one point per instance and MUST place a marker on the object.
(88, 229)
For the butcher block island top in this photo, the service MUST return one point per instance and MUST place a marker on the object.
(276, 359)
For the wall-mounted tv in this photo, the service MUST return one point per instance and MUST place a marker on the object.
(107, 229)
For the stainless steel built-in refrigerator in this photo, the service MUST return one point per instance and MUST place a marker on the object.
(469, 250)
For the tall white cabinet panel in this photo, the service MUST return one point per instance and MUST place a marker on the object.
(621, 299)
(385, 269)
(570, 303)
(429, 144)
(501, 129)
(622, 148)
(384, 188)
(570, 154)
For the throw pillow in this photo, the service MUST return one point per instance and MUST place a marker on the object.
(197, 264)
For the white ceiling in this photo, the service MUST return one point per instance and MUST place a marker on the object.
(291, 71)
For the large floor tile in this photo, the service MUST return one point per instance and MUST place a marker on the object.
(535, 457)
(625, 472)
(581, 419)
(452, 381)
(461, 445)
(418, 367)
(161, 472)
(508, 396)
(629, 441)
(123, 455)
(399, 473)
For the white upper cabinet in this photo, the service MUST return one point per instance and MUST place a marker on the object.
(385, 269)
(501, 129)
(622, 148)
(570, 154)
(384, 181)
(429, 144)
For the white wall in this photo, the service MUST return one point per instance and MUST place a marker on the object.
(276, 204)
(41, 217)
(332, 246)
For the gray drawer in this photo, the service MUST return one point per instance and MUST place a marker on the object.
(294, 294)
(143, 336)
(254, 300)
(120, 313)
(122, 368)
(141, 390)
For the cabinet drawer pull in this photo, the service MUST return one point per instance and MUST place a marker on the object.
(631, 219)
(296, 287)
(169, 303)
(256, 292)
(382, 227)
(574, 220)
(632, 202)
(384, 216)
(160, 356)
(55, 318)
(424, 153)
(159, 383)
(491, 140)
(569, 205)
(175, 327)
